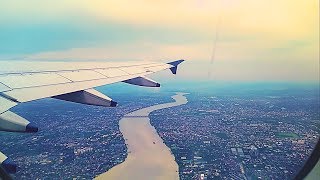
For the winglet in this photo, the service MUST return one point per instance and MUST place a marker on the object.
(175, 64)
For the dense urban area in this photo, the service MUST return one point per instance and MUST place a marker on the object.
(240, 137)
(218, 135)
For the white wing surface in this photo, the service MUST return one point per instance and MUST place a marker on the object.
(26, 81)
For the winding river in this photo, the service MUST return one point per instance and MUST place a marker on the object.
(148, 157)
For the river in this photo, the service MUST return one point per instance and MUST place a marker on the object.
(148, 157)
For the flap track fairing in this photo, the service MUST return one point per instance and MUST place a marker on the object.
(90, 97)
(11, 122)
(142, 81)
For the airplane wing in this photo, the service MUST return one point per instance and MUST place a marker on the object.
(27, 81)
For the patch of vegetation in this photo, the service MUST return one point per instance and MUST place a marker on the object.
(287, 135)
(222, 135)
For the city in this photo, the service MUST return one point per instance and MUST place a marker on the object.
(240, 137)
(226, 136)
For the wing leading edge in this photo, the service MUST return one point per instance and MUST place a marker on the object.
(26, 81)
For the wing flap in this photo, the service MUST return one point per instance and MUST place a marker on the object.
(6, 104)
(4, 88)
(111, 72)
(15, 81)
(158, 68)
(134, 70)
(82, 75)
(32, 93)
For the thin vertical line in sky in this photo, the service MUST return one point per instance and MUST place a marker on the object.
(214, 45)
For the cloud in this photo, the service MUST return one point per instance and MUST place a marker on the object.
(289, 18)
(257, 62)
(128, 51)
(257, 39)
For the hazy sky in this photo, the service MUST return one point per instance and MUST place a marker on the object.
(258, 40)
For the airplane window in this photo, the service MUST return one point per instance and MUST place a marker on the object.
(159, 90)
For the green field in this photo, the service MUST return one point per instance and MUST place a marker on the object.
(222, 135)
(287, 135)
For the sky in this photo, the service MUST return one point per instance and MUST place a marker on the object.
(256, 40)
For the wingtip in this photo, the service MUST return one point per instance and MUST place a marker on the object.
(175, 65)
